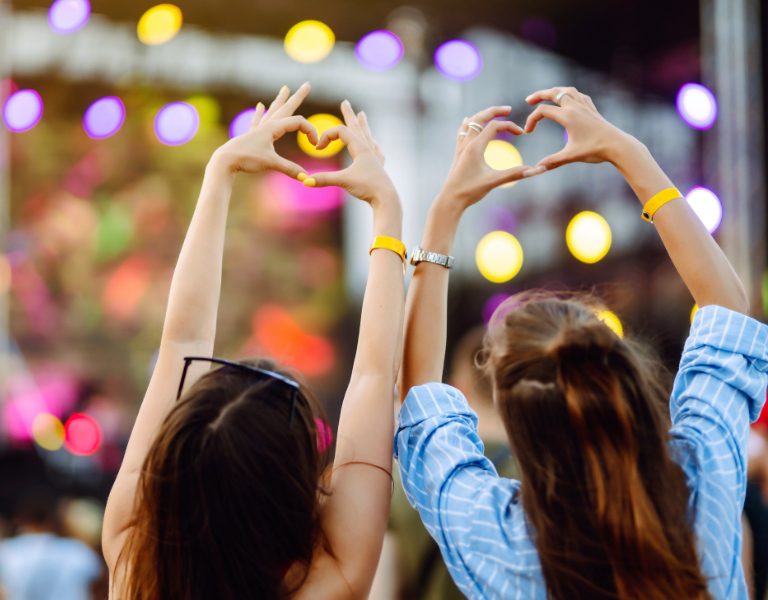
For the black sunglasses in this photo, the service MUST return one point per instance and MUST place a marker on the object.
(262, 374)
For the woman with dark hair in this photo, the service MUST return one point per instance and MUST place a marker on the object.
(223, 491)
(615, 499)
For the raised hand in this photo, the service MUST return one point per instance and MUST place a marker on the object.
(254, 151)
(470, 178)
(365, 178)
(591, 138)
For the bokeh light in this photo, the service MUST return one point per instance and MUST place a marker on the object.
(309, 41)
(459, 60)
(501, 155)
(707, 207)
(697, 105)
(492, 304)
(68, 16)
(22, 110)
(379, 50)
(104, 118)
(48, 431)
(322, 122)
(499, 256)
(694, 310)
(324, 435)
(292, 198)
(208, 110)
(588, 237)
(241, 123)
(160, 24)
(82, 434)
(176, 123)
(612, 320)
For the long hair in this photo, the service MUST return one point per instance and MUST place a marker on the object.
(228, 497)
(586, 415)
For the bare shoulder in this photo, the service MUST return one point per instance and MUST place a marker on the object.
(325, 581)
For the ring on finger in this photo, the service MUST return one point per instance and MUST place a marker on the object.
(463, 133)
(476, 127)
(560, 96)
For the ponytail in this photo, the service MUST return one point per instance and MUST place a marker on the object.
(586, 423)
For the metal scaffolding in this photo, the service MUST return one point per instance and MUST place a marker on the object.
(734, 153)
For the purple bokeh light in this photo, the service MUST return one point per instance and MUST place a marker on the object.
(176, 123)
(539, 31)
(23, 110)
(707, 207)
(104, 118)
(241, 123)
(68, 16)
(697, 106)
(492, 304)
(379, 50)
(459, 60)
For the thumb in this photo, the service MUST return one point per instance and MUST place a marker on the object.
(558, 159)
(516, 174)
(283, 165)
(329, 178)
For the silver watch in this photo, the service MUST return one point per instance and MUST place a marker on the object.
(420, 255)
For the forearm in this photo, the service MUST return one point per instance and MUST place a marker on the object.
(701, 263)
(427, 302)
(193, 299)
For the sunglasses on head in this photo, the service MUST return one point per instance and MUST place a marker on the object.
(259, 375)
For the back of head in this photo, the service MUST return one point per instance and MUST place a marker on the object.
(228, 496)
(585, 415)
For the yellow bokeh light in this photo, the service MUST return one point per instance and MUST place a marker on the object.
(588, 237)
(694, 310)
(309, 41)
(48, 431)
(611, 320)
(501, 155)
(159, 24)
(5, 274)
(322, 122)
(499, 256)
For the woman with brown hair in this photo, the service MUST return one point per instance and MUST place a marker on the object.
(223, 491)
(615, 499)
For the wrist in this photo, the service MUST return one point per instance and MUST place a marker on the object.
(219, 165)
(442, 223)
(388, 217)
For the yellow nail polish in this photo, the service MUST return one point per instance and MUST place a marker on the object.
(310, 182)
(302, 176)
(284, 89)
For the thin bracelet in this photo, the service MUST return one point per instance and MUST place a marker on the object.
(657, 201)
(362, 462)
(386, 242)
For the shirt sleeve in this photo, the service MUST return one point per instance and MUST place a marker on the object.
(444, 473)
(719, 389)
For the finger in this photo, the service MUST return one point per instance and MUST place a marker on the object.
(544, 111)
(294, 101)
(325, 179)
(288, 167)
(340, 132)
(495, 128)
(280, 99)
(484, 116)
(558, 159)
(258, 115)
(515, 174)
(362, 120)
(295, 123)
(349, 115)
(550, 94)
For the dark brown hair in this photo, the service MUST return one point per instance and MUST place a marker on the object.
(228, 496)
(586, 415)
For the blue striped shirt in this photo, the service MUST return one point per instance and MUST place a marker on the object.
(476, 516)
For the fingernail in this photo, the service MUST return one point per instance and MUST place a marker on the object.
(507, 107)
(259, 106)
(534, 171)
(305, 84)
(310, 182)
(284, 89)
(302, 176)
(527, 98)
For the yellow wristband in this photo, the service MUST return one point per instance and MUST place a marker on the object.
(389, 243)
(659, 200)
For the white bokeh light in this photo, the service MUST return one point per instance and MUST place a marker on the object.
(707, 207)
(697, 105)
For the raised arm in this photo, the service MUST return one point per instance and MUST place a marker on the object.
(193, 301)
(695, 254)
(469, 180)
(355, 515)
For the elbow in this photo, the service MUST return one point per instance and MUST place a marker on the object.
(741, 299)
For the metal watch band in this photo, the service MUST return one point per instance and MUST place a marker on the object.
(420, 255)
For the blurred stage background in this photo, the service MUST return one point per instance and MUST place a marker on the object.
(111, 110)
